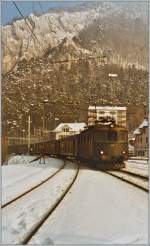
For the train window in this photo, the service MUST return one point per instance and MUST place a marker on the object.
(100, 136)
(101, 112)
(112, 135)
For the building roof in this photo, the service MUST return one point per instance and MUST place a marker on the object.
(108, 107)
(131, 147)
(137, 131)
(144, 123)
(72, 126)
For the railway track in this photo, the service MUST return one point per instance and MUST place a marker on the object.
(138, 180)
(32, 188)
(48, 207)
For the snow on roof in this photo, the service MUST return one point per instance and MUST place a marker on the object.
(108, 107)
(137, 131)
(72, 126)
(130, 146)
(144, 123)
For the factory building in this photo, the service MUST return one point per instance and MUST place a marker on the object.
(96, 113)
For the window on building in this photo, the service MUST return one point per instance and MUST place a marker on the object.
(113, 112)
(122, 112)
(65, 129)
(146, 139)
(101, 118)
(92, 111)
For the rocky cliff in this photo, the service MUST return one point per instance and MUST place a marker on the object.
(120, 29)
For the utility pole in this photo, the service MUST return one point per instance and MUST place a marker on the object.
(111, 75)
(95, 112)
(43, 127)
(29, 132)
(29, 127)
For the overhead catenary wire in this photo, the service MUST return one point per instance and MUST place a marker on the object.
(28, 25)
(79, 59)
(40, 5)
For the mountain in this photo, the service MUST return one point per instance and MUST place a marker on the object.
(121, 28)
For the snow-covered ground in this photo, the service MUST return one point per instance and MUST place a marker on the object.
(20, 175)
(141, 162)
(99, 209)
(19, 218)
(138, 166)
(140, 158)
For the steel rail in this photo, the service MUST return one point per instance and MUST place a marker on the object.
(127, 180)
(132, 173)
(33, 188)
(49, 212)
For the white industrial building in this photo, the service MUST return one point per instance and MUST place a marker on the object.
(67, 129)
(118, 113)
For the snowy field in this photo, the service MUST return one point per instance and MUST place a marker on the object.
(100, 209)
(20, 175)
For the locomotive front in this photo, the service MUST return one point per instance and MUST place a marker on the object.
(111, 146)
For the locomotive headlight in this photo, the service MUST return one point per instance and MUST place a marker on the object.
(111, 125)
(102, 152)
(123, 152)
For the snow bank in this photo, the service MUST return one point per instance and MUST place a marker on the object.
(20, 159)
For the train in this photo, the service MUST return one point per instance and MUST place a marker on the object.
(103, 146)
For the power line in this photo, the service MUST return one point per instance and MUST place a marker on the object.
(53, 62)
(28, 25)
(40, 5)
(80, 59)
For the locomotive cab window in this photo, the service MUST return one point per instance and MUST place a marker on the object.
(100, 136)
(112, 135)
